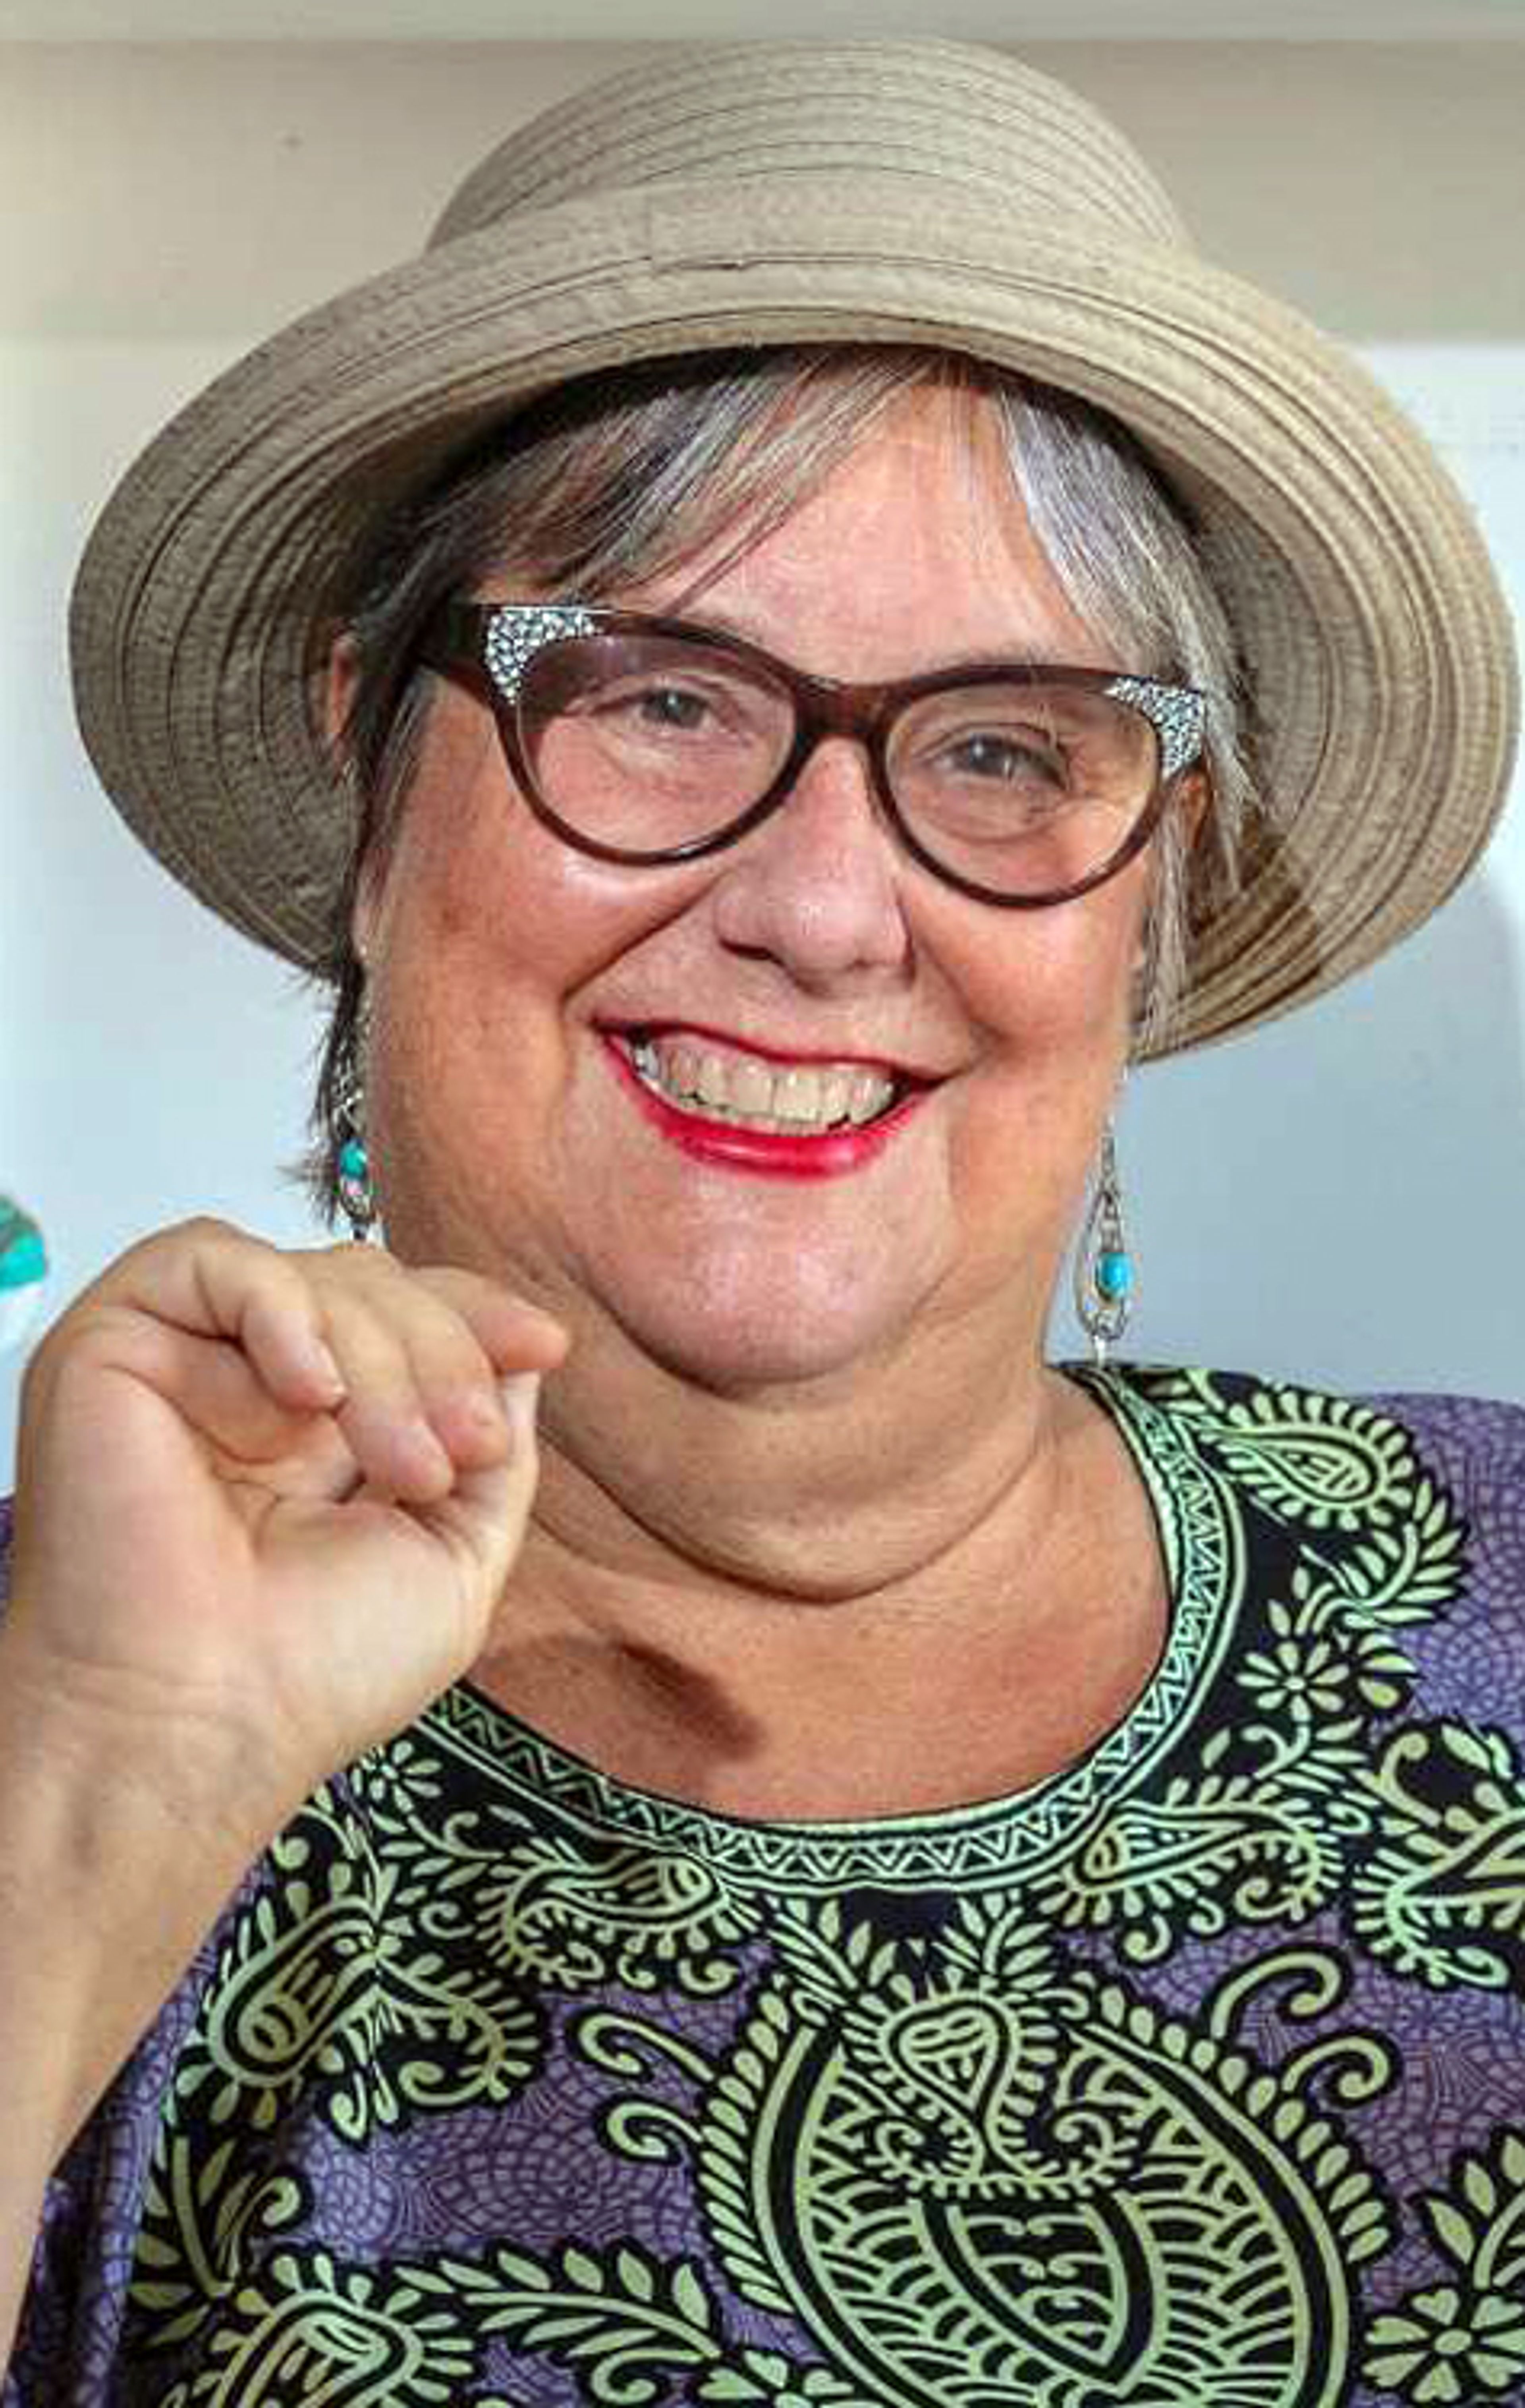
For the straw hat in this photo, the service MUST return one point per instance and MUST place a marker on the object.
(767, 192)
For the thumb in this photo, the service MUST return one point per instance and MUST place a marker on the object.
(516, 1478)
(520, 1393)
(489, 1507)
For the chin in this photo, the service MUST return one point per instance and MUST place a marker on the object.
(747, 1363)
(729, 1344)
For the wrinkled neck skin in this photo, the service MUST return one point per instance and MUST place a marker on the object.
(842, 1491)
(908, 1587)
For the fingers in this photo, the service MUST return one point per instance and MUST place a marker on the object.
(218, 1391)
(420, 1393)
(486, 1510)
(513, 1334)
(254, 1345)
(423, 1354)
(214, 1281)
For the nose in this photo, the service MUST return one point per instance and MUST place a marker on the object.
(817, 886)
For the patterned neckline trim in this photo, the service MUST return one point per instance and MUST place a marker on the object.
(989, 1841)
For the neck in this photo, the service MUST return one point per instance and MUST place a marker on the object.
(751, 1600)
(836, 1490)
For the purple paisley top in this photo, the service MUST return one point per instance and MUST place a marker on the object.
(1193, 2077)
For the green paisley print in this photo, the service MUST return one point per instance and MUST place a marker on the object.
(1193, 2078)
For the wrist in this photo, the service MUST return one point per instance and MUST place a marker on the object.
(107, 1890)
(112, 1781)
(103, 1910)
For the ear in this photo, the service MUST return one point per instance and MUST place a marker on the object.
(340, 679)
(1193, 801)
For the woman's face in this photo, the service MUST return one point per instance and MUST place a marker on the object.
(513, 976)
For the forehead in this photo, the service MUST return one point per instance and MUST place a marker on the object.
(915, 546)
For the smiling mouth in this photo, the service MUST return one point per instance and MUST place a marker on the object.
(744, 1091)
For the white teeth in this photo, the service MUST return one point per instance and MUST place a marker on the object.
(796, 1096)
(862, 1096)
(682, 1070)
(745, 1089)
(749, 1088)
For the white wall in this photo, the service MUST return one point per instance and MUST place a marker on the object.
(1341, 1196)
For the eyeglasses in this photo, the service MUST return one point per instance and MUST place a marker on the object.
(648, 740)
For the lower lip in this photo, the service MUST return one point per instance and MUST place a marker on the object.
(724, 1146)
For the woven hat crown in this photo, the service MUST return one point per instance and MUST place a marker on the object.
(960, 118)
(776, 193)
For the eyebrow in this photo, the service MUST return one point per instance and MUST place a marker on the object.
(715, 623)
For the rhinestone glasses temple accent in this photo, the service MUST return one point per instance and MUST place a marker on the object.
(516, 632)
(1178, 715)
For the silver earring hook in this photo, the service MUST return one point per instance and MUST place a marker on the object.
(1104, 1262)
(352, 1158)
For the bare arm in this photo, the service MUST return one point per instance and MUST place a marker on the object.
(268, 1504)
(95, 1936)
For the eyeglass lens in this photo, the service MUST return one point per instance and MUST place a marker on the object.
(648, 742)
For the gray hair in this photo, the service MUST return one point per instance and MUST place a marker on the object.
(622, 477)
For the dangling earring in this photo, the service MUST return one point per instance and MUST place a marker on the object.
(1104, 1266)
(353, 1160)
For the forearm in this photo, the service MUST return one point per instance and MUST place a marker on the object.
(102, 1902)
(30, 2112)
(310, 1464)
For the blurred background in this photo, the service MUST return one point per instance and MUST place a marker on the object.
(1340, 1198)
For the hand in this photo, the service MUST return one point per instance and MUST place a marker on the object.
(268, 1503)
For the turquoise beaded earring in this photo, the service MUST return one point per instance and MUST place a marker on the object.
(351, 1154)
(1103, 1265)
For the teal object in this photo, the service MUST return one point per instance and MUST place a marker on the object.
(23, 1257)
(24, 1262)
(354, 1161)
(1114, 1275)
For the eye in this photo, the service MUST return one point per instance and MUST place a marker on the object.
(677, 707)
(1008, 755)
(664, 706)
(670, 706)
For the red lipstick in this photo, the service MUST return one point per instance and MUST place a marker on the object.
(723, 1145)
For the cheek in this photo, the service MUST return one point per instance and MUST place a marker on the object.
(485, 938)
(482, 902)
(1054, 989)
(1052, 995)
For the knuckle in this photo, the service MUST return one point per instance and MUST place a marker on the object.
(460, 1293)
(202, 1229)
(431, 1343)
(446, 1301)
(85, 1338)
(349, 1267)
(199, 1234)
(35, 1377)
(453, 1357)
(210, 1225)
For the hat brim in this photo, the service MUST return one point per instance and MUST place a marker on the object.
(1378, 643)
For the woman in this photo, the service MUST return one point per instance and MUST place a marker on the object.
(873, 1870)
